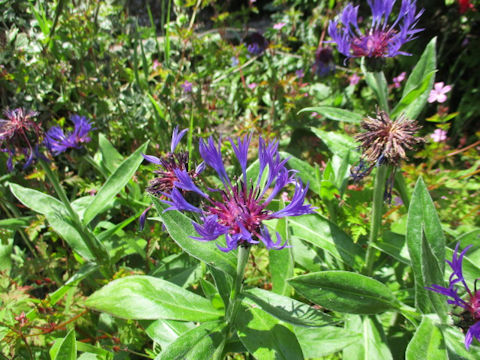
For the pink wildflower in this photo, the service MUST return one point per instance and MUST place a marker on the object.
(439, 135)
(398, 80)
(354, 79)
(279, 26)
(438, 93)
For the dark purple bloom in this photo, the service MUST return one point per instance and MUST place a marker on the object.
(256, 43)
(19, 134)
(171, 165)
(323, 62)
(57, 141)
(381, 40)
(470, 317)
(238, 209)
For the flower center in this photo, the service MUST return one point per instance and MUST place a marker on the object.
(241, 207)
(374, 44)
(475, 305)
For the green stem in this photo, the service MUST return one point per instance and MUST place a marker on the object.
(98, 251)
(381, 91)
(376, 218)
(234, 302)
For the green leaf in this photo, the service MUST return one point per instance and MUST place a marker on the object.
(305, 171)
(394, 245)
(281, 263)
(373, 344)
(286, 309)
(266, 338)
(181, 230)
(334, 113)
(146, 297)
(378, 83)
(65, 349)
(426, 245)
(114, 184)
(82, 273)
(37, 201)
(345, 292)
(427, 343)
(423, 70)
(405, 105)
(339, 144)
(5, 255)
(455, 341)
(164, 332)
(323, 341)
(326, 235)
(93, 351)
(111, 158)
(56, 215)
(202, 342)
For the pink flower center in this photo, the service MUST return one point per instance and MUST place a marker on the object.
(373, 45)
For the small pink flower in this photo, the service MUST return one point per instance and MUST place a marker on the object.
(279, 26)
(187, 86)
(438, 93)
(439, 135)
(398, 80)
(284, 196)
(155, 64)
(300, 74)
(354, 79)
(252, 86)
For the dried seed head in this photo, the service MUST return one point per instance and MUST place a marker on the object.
(386, 141)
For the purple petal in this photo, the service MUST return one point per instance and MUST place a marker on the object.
(176, 138)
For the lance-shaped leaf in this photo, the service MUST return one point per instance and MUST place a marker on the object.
(321, 232)
(181, 230)
(287, 309)
(426, 245)
(114, 184)
(202, 342)
(345, 292)
(427, 343)
(334, 113)
(149, 298)
(265, 337)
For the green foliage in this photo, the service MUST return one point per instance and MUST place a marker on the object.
(79, 279)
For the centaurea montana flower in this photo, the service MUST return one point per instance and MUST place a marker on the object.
(19, 133)
(58, 142)
(239, 209)
(470, 317)
(163, 184)
(385, 142)
(381, 40)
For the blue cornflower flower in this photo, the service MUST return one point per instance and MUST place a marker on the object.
(238, 209)
(470, 317)
(381, 40)
(172, 166)
(20, 134)
(57, 141)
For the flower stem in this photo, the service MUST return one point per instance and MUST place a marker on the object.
(234, 301)
(96, 248)
(381, 90)
(376, 218)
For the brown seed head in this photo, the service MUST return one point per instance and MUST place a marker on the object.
(386, 141)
